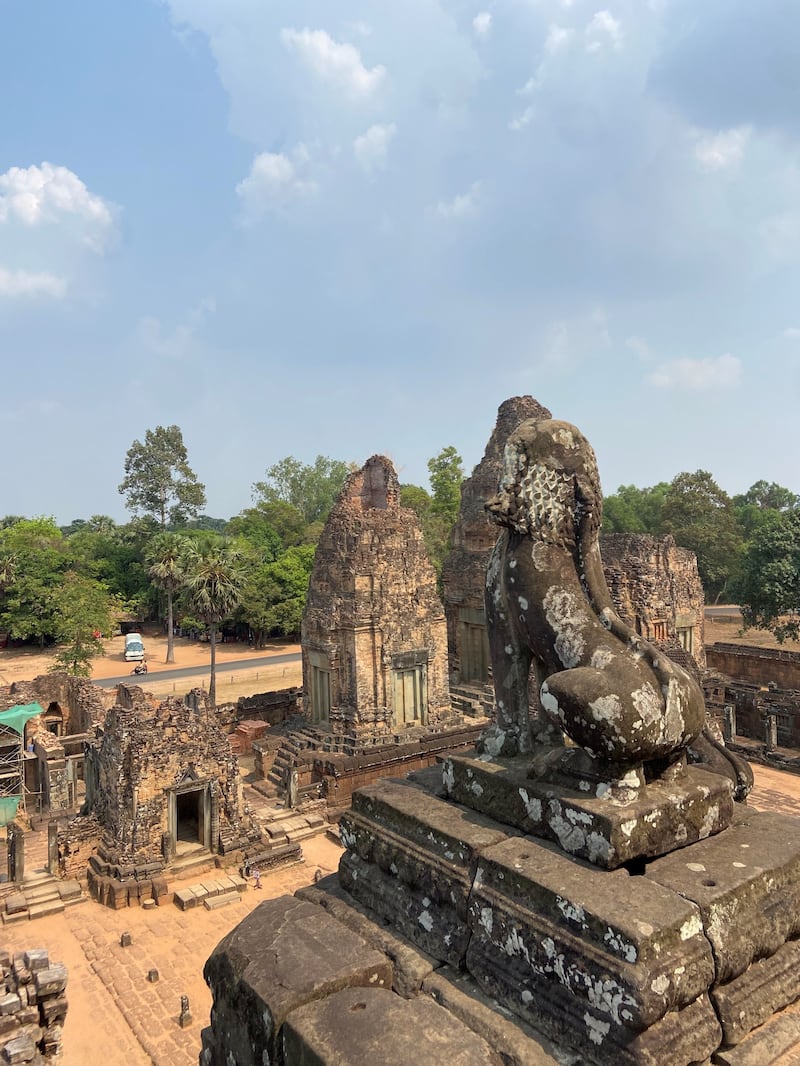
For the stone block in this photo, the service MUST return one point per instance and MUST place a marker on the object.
(410, 966)
(563, 929)
(44, 910)
(51, 981)
(746, 884)
(37, 959)
(764, 989)
(19, 1049)
(54, 1010)
(411, 858)
(16, 903)
(10, 1003)
(358, 1025)
(776, 1041)
(603, 829)
(185, 899)
(517, 1043)
(285, 954)
(69, 890)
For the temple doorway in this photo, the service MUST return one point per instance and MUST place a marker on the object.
(189, 818)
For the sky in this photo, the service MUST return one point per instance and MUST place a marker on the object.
(303, 227)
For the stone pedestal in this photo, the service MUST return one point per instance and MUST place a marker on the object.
(608, 826)
(667, 960)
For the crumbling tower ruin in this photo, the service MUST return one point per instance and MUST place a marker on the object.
(374, 638)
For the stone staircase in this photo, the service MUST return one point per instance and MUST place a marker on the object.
(39, 894)
(472, 701)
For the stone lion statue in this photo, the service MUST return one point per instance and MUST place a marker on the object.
(550, 617)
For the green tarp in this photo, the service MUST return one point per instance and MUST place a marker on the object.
(16, 717)
(8, 808)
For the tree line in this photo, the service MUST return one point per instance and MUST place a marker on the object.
(747, 545)
(247, 576)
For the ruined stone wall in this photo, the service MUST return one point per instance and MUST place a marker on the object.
(373, 613)
(273, 707)
(757, 665)
(82, 704)
(656, 588)
(146, 749)
(473, 537)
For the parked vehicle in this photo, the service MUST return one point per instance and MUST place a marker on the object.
(134, 648)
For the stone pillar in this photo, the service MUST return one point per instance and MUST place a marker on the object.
(52, 849)
(16, 852)
(771, 730)
(729, 723)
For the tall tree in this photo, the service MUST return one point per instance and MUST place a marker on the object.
(701, 517)
(158, 479)
(166, 567)
(312, 490)
(769, 585)
(215, 579)
(446, 472)
(35, 561)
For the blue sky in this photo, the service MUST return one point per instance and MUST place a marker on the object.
(314, 227)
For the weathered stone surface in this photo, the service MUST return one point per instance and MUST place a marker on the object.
(548, 606)
(746, 883)
(410, 966)
(773, 1042)
(286, 953)
(558, 930)
(517, 1043)
(411, 858)
(374, 637)
(51, 981)
(358, 1026)
(606, 830)
(765, 987)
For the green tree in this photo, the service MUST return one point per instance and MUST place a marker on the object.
(35, 562)
(769, 584)
(446, 472)
(435, 526)
(215, 579)
(158, 479)
(83, 612)
(701, 517)
(312, 490)
(166, 567)
(634, 510)
(254, 527)
(274, 596)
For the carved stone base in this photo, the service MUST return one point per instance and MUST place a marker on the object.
(603, 823)
(668, 965)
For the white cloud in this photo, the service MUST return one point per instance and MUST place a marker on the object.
(481, 24)
(698, 375)
(15, 283)
(337, 64)
(461, 205)
(557, 38)
(792, 333)
(370, 148)
(50, 194)
(718, 151)
(640, 348)
(272, 183)
(603, 29)
(523, 119)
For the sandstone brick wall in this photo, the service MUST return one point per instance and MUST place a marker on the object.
(656, 588)
(373, 612)
(757, 665)
(81, 703)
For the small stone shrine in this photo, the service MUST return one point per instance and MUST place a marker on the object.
(374, 639)
(607, 893)
(161, 783)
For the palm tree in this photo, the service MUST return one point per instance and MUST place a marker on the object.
(215, 578)
(165, 556)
